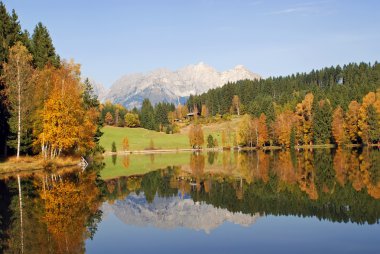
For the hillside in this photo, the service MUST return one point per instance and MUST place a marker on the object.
(139, 138)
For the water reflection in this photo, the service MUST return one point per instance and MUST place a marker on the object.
(334, 185)
(60, 211)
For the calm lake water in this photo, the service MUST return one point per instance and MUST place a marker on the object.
(320, 201)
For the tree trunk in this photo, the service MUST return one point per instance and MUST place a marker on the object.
(21, 221)
(19, 111)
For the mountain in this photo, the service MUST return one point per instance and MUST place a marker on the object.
(174, 212)
(172, 86)
(100, 90)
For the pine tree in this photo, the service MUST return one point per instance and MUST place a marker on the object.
(373, 121)
(42, 48)
(147, 115)
(322, 117)
(210, 141)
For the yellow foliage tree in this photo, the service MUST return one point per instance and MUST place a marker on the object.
(262, 135)
(204, 111)
(108, 118)
(196, 137)
(66, 123)
(247, 133)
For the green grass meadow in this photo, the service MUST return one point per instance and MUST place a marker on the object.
(139, 139)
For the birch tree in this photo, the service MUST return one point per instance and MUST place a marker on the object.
(17, 76)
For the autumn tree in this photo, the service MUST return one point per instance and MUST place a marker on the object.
(304, 119)
(17, 77)
(109, 118)
(204, 111)
(184, 111)
(247, 132)
(195, 112)
(283, 126)
(67, 125)
(366, 125)
(338, 126)
(196, 137)
(125, 144)
(178, 111)
(131, 120)
(236, 104)
(171, 117)
(352, 117)
(262, 130)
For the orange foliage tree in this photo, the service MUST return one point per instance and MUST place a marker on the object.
(283, 127)
(352, 117)
(338, 126)
(262, 135)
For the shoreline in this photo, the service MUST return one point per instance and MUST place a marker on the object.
(220, 149)
(32, 164)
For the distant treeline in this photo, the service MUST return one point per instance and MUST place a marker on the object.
(340, 85)
(331, 105)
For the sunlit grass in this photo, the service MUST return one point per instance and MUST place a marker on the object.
(25, 163)
(139, 138)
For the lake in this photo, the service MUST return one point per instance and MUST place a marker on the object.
(227, 202)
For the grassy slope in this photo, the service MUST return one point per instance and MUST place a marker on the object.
(139, 139)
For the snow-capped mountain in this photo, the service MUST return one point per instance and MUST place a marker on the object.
(173, 212)
(170, 86)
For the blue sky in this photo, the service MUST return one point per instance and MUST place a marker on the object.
(115, 37)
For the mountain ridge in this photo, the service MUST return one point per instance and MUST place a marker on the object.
(171, 86)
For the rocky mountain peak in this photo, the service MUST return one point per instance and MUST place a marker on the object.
(165, 85)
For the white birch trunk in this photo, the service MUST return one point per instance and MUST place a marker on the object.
(19, 110)
(21, 221)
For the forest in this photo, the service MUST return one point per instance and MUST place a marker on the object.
(337, 105)
(46, 108)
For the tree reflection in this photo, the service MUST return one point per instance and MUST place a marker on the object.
(59, 211)
(322, 183)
